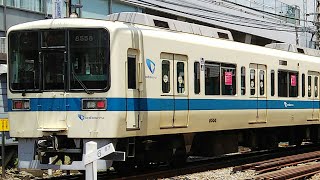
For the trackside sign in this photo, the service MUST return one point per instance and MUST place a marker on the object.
(99, 153)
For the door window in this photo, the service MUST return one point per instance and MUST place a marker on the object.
(316, 86)
(261, 82)
(53, 71)
(180, 77)
(252, 82)
(309, 86)
(132, 68)
(165, 76)
(243, 80)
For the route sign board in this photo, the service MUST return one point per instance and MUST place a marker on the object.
(99, 153)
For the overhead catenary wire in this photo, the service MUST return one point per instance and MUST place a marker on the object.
(228, 21)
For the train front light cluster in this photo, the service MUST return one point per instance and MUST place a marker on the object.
(21, 104)
(94, 104)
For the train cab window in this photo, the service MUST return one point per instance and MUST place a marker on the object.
(24, 65)
(252, 82)
(243, 80)
(212, 78)
(54, 39)
(272, 83)
(309, 86)
(165, 76)
(287, 84)
(180, 77)
(303, 85)
(197, 78)
(132, 68)
(89, 56)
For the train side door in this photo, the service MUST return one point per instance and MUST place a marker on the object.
(53, 78)
(174, 103)
(133, 94)
(313, 93)
(181, 101)
(258, 82)
(167, 100)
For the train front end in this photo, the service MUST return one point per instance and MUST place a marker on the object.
(58, 90)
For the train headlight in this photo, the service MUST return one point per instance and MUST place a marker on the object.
(94, 104)
(21, 104)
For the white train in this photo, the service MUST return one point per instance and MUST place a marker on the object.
(158, 89)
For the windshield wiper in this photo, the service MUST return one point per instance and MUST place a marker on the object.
(81, 83)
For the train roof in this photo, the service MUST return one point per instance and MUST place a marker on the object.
(165, 34)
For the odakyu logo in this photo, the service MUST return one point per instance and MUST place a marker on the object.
(151, 65)
(288, 104)
(82, 117)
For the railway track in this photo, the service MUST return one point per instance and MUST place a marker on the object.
(289, 167)
(264, 161)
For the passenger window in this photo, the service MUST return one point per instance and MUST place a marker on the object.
(309, 86)
(287, 83)
(165, 76)
(243, 80)
(212, 81)
(303, 85)
(294, 81)
(282, 84)
(261, 82)
(228, 80)
(132, 68)
(272, 83)
(316, 86)
(252, 82)
(216, 72)
(180, 77)
(197, 78)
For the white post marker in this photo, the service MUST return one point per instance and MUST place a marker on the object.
(91, 168)
(92, 155)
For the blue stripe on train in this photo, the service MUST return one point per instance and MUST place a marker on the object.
(157, 104)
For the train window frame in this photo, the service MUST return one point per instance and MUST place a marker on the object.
(262, 77)
(165, 81)
(227, 89)
(288, 83)
(303, 85)
(107, 57)
(10, 70)
(216, 82)
(316, 86)
(197, 78)
(45, 33)
(243, 80)
(180, 69)
(132, 71)
(309, 86)
(221, 85)
(252, 82)
(272, 82)
(65, 48)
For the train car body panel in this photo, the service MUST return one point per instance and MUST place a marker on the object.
(159, 82)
